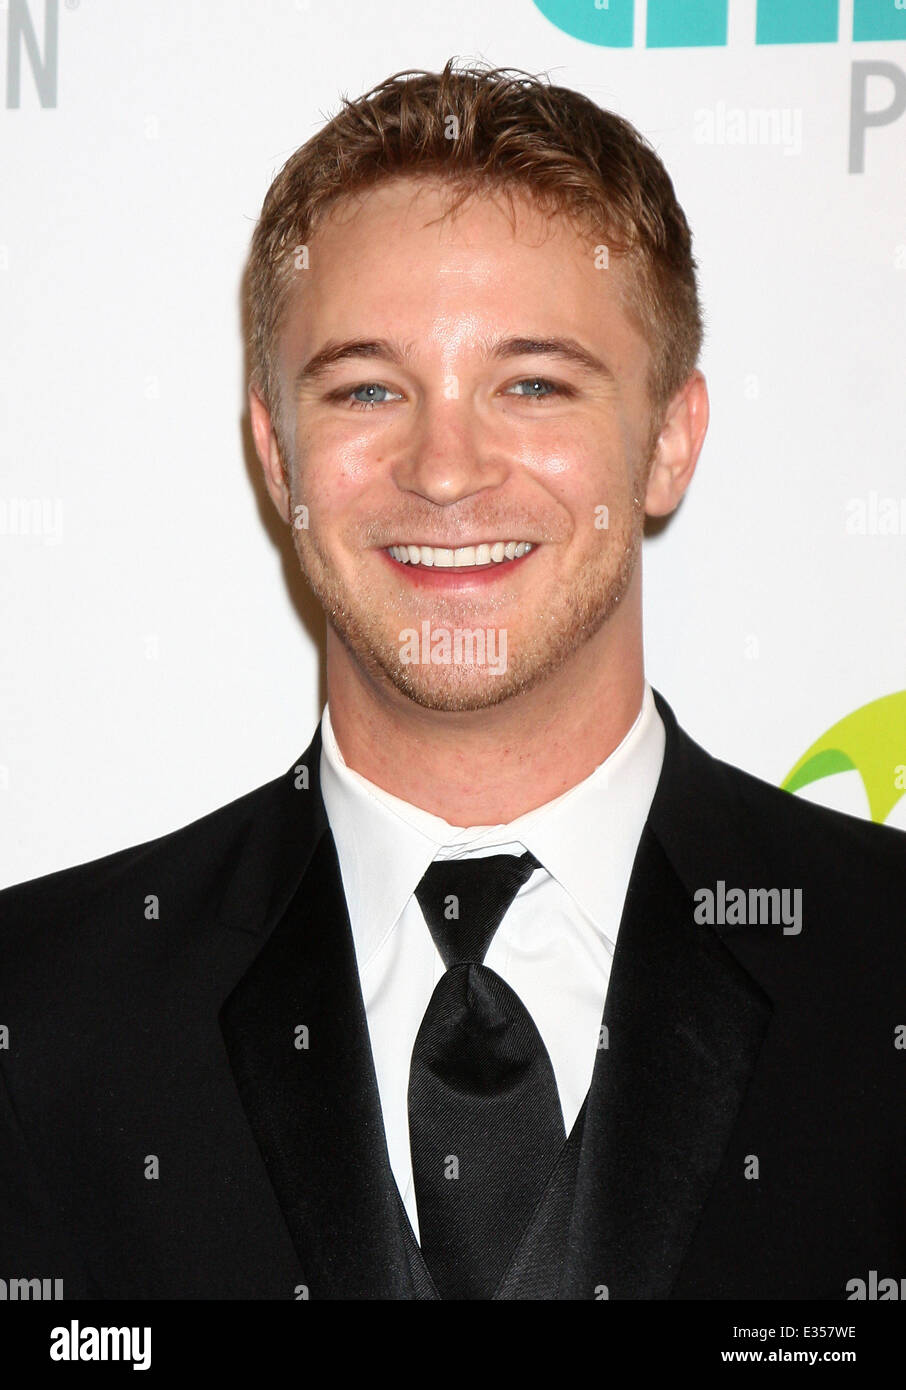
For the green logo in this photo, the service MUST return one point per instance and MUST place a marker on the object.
(870, 741)
(703, 23)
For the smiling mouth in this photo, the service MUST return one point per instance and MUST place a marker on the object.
(484, 556)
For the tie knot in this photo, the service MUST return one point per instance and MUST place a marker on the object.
(464, 901)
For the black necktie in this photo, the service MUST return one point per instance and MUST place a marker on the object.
(485, 1122)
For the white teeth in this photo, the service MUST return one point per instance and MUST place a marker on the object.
(466, 556)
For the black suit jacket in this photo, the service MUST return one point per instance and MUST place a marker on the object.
(165, 1131)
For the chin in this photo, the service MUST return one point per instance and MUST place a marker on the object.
(464, 688)
(451, 696)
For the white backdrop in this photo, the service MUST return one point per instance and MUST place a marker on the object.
(159, 656)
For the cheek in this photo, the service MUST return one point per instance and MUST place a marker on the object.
(333, 472)
(582, 474)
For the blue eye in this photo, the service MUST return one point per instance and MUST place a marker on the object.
(551, 388)
(370, 387)
(373, 393)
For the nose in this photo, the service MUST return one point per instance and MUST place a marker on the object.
(450, 454)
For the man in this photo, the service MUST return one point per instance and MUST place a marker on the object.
(506, 989)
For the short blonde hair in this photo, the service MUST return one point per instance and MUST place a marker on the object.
(512, 133)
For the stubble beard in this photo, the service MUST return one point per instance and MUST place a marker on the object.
(371, 628)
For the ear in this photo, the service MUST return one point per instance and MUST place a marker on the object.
(268, 451)
(678, 447)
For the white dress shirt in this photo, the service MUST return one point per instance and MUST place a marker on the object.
(555, 944)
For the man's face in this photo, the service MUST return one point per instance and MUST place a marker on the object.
(497, 395)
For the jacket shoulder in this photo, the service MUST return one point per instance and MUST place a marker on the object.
(714, 819)
(808, 829)
(185, 862)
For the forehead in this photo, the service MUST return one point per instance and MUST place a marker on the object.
(419, 203)
(396, 258)
(402, 217)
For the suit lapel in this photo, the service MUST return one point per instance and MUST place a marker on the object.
(311, 1097)
(685, 1023)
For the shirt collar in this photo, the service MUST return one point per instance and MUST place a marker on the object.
(585, 838)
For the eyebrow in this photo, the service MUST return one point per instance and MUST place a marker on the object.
(354, 349)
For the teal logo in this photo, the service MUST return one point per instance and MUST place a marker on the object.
(870, 741)
(703, 23)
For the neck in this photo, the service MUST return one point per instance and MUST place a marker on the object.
(486, 767)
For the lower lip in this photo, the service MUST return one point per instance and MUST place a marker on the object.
(462, 577)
